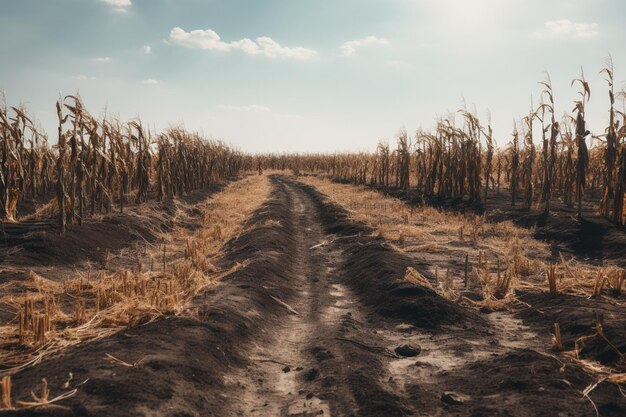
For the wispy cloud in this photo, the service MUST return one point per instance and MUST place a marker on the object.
(567, 28)
(120, 6)
(252, 108)
(350, 47)
(147, 49)
(264, 45)
(103, 59)
(150, 81)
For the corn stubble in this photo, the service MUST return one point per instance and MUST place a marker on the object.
(501, 258)
(39, 400)
(52, 316)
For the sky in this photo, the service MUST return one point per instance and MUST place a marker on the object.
(308, 76)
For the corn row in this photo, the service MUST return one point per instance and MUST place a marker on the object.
(97, 165)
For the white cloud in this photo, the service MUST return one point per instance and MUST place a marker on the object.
(150, 81)
(567, 28)
(147, 49)
(252, 108)
(103, 59)
(85, 77)
(120, 6)
(350, 47)
(210, 40)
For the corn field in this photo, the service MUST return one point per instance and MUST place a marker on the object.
(459, 160)
(100, 165)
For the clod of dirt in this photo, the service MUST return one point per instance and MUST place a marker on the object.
(309, 395)
(453, 398)
(311, 374)
(322, 354)
(286, 369)
(408, 350)
(328, 382)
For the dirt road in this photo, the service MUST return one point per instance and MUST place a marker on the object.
(312, 326)
(312, 358)
(332, 350)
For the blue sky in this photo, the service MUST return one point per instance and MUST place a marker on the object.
(300, 75)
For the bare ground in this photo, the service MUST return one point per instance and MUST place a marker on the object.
(310, 327)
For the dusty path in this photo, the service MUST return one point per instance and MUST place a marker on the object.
(308, 364)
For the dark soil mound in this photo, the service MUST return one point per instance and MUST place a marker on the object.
(510, 378)
(183, 360)
(577, 317)
(39, 243)
(38, 246)
(376, 272)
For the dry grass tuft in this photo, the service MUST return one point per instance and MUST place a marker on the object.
(415, 277)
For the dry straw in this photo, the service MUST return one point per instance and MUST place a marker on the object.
(107, 301)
